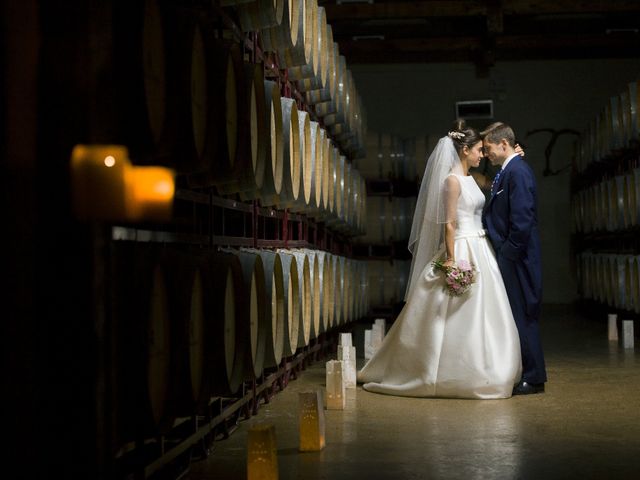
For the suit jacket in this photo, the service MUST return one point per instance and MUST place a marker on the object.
(511, 221)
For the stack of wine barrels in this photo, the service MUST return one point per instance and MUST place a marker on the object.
(188, 100)
(611, 279)
(611, 204)
(607, 206)
(616, 127)
(387, 281)
(192, 325)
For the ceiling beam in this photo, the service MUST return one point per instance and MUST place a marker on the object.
(463, 8)
(507, 46)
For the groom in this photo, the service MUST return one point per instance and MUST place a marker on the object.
(510, 219)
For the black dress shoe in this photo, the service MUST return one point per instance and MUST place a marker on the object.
(526, 388)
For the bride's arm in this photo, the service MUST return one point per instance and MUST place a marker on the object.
(451, 193)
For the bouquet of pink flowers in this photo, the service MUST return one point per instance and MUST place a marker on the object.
(459, 277)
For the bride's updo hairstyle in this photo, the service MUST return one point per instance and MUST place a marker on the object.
(463, 135)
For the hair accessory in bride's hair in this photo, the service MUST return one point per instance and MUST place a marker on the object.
(456, 135)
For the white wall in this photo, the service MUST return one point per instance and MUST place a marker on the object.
(410, 100)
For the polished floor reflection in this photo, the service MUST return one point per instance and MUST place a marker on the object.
(586, 425)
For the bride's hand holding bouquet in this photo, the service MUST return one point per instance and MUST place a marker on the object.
(459, 276)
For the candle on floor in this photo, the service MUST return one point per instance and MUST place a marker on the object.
(311, 421)
(262, 453)
(368, 348)
(613, 327)
(348, 357)
(382, 324)
(336, 399)
(345, 339)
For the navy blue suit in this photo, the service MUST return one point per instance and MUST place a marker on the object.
(510, 219)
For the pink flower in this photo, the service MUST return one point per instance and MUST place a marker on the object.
(464, 266)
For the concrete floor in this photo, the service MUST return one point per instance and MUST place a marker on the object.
(586, 425)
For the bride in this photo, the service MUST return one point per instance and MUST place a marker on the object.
(441, 345)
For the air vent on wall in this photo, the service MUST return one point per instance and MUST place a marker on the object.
(474, 109)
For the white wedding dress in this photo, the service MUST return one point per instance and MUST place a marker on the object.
(446, 346)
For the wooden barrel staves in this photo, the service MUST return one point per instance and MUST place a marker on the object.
(226, 150)
(157, 55)
(274, 170)
(283, 36)
(326, 290)
(258, 14)
(275, 309)
(250, 173)
(186, 307)
(306, 302)
(252, 330)
(315, 289)
(306, 163)
(291, 154)
(634, 108)
(224, 299)
(292, 302)
(632, 280)
(306, 53)
(142, 342)
(633, 196)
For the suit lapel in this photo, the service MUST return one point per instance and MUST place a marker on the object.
(503, 175)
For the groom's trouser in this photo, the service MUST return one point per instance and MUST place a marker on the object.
(533, 367)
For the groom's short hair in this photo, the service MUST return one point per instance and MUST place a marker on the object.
(497, 131)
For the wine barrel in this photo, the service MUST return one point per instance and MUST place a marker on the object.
(307, 162)
(291, 154)
(274, 170)
(249, 175)
(315, 276)
(143, 342)
(302, 59)
(326, 290)
(299, 52)
(609, 279)
(615, 192)
(314, 169)
(281, 37)
(332, 154)
(618, 270)
(626, 209)
(225, 299)
(251, 312)
(292, 302)
(275, 309)
(158, 56)
(313, 76)
(339, 302)
(227, 112)
(632, 282)
(257, 14)
(379, 221)
(617, 123)
(634, 110)
(322, 169)
(305, 317)
(633, 196)
(185, 289)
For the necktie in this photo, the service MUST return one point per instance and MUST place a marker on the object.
(494, 184)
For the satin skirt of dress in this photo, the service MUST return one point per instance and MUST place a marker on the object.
(447, 346)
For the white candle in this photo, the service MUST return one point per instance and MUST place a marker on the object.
(613, 327)
(336, 399)
(348, 357)
(262, 453)
(312, 425)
